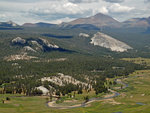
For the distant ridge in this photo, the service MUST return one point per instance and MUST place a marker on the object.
(40, 24)
(95, 22)
(10, 25)
(137, 22)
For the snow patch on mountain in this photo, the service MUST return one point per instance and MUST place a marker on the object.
(106, 41)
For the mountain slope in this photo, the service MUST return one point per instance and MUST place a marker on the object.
(98, 20)
(36, 45)
(137, 22)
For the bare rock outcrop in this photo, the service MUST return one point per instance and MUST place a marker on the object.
(106, 41)
(18, 40)
(84, 35)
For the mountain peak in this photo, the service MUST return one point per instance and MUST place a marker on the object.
(99, 15)
(98, 20)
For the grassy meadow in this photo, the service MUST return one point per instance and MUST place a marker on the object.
(134, 99)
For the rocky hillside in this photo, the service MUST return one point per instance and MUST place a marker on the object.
(103, 40)
(29, 48)
(34, 45)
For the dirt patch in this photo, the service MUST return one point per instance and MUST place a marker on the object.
(109, 95)
(111, 101)
(116, 88)
(70, 101)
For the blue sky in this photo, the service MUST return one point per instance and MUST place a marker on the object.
(57, 11)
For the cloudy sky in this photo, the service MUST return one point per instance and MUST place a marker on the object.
(57, 11)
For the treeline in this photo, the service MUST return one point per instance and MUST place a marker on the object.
(76, 66)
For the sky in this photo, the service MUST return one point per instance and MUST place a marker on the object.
(57, 11)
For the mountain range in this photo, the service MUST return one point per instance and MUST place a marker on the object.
(94, 22)
(97, 21)
(99, 34)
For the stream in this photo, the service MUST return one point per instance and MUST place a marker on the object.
(84, 104)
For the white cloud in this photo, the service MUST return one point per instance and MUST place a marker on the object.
(33, 1)
(42, 11)
(59, 21)
(114, 1)
(71, 8)
(83, 1)
(117, 8)
(2, 16)
(58, 9)
(70, 5)
(103, 10)
(22, 11)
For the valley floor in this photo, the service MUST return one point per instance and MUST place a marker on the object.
(133, 99)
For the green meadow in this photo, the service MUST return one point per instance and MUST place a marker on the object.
(134, 99)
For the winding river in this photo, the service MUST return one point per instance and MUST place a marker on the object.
(84, 104)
